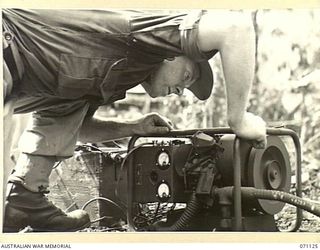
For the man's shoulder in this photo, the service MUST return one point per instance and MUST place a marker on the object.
(143, 20)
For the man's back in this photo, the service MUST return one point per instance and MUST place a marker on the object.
(68, 53)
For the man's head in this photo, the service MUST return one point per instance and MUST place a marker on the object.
(172, 77)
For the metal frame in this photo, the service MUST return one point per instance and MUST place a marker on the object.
(237, 170)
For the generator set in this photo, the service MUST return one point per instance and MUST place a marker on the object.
(204, 180)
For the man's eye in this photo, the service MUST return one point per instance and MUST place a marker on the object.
(179, 91)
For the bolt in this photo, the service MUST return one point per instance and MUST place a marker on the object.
(8, 36)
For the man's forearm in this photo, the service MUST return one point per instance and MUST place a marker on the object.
(99, 129)
(238, 65)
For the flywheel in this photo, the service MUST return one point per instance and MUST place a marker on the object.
(269, 168)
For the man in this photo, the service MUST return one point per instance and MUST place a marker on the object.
(70, 62)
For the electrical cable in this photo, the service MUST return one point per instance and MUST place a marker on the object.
(56, 164)
(107, 200)
(156, 213)
(90, 146)
(123, 163)
(193, 207)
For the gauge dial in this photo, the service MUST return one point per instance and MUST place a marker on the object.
(163, 159)
(163, 191)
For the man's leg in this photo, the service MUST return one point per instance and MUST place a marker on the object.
(26, 204)
(33, 171)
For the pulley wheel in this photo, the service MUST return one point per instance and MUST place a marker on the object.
(269, 168)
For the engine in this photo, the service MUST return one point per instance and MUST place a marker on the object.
(171, 171)
(192, 180)
(191, 168)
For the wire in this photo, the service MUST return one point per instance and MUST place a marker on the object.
(99, 219)
(117, 144)
(56, 164)
(150, 213)
(124, 161)
(90, 146)
(156, 213)
(107, 200)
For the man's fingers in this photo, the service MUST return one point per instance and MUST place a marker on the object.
(259, 144)
(153, 123)
(162, 121)
(160, 130)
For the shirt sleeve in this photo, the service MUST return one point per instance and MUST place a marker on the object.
(189, 36)
(168, 35)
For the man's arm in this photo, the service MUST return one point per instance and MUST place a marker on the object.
(232, 34)
(102, 129)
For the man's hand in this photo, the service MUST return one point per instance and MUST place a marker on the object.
(252, 128)
(152, 123)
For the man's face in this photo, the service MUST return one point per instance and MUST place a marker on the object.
(172, 77)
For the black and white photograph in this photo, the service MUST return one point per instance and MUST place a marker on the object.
(161, 120)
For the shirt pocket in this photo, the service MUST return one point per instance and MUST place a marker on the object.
(79, 76)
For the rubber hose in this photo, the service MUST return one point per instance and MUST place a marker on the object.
(281, 196)
(191, 210)
(254, 193)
